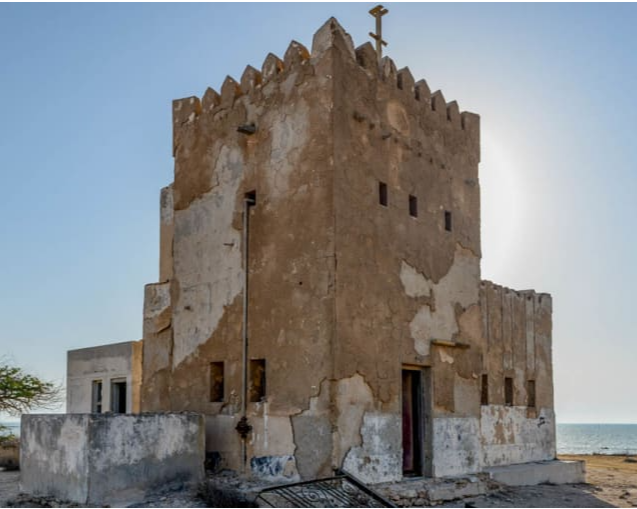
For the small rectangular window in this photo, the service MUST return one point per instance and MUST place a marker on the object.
(530, 391)
(484, 396)
(448, 225)
(257, 380)
(413, 206)
(96, 397)
(508, 391)
(382, 194)
(251, 197)
(216, 382)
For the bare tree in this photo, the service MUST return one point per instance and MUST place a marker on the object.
(21, 392)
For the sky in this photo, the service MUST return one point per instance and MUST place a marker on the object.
(85, 139)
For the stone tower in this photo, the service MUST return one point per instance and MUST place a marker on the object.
(320, 276)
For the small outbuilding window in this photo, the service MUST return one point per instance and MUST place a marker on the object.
(382, 194)
(508, 391)
(257, 380)
(413, 206)
(96, 397)
(118, 396)
(216, 382)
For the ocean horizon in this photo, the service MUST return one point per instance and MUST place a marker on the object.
(584, 438)
(596, 438)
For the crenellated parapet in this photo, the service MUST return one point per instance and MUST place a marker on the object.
(542, 298)
(274, 70)
(326, 204)
(517, 330)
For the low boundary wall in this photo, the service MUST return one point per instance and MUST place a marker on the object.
(114, 459)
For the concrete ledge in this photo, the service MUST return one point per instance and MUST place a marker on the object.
(109, 459)
(544, 472)
(431, 491)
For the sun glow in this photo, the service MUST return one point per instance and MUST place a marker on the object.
(503, 201)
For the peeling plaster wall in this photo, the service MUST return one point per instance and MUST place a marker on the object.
(402, 281)
(344, 292)
(166, 232)
(517, 327)
(272, 446)
(455, 288)
(158, 347)
(379, 457)
(510, 436)
(456, 446)
(313, 434)
(207, 260)
(288, 161)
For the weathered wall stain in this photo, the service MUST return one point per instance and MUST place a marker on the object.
(344, 292)
(112, 459)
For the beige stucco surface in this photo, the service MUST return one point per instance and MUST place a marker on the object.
(343, 292)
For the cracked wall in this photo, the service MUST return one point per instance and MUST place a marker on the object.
(288, 162)
(158, 347)
(403, 282)
(517, 328)
(344, 292)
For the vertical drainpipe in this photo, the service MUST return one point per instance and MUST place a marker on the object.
(243, 427)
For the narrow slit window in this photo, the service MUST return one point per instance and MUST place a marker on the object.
(484, 390)
(508, 391)
(257, 380)
(448, 222)
(413, 206)
(382, 194)
(216, 382)
(530, 391)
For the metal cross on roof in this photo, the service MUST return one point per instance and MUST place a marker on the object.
(378, 12)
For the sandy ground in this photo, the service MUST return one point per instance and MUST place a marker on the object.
(8, 485)
(612, 482)
(615, 478)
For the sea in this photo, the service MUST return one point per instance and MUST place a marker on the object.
(571, 438)
(14, 427)
(597, 438)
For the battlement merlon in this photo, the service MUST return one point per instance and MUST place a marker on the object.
(331, 35)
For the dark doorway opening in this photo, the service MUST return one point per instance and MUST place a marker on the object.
(412, 422)
(118, 397)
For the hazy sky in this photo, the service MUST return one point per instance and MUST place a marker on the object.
(85, 138)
